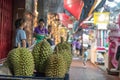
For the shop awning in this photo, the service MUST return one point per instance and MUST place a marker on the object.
(96, 4)
(74, 7)
(65, 19)
(87, 7)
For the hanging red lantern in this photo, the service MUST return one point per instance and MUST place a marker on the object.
(74, 7)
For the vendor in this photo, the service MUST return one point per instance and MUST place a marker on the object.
(40, 31)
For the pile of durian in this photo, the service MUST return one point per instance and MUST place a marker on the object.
(42, 59)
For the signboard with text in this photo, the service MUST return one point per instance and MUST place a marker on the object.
(101, 18)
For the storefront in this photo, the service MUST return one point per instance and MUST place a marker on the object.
(58, 28)
(10, 10)
(114, 43)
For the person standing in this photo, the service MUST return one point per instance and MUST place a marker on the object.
(40, 31)
(20, 38)
(85, 56)
(78, 47)
(74, 46)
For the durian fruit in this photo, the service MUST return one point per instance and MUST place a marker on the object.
(40, 52)
(67, 57)
(56, 66)
(20, 62)
(64, 48)
(63, 45)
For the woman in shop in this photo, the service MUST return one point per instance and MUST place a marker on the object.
(40, 32)
(20, 38)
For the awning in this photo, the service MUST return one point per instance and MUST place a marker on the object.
(86, 9)
(65, 19)
(74, 7)
(96, 4)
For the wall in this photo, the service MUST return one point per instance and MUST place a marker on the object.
(5, 27)
(10, 10)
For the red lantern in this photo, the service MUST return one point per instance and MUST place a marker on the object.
(74, 7)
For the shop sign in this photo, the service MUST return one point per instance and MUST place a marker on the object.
(101, 18)
(102, 26)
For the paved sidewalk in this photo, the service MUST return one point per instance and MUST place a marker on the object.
(91, 72)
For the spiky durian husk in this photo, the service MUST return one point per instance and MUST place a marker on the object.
(64, 48)
(20, 62)
(56, 66)
(40, 52)
(67, 57)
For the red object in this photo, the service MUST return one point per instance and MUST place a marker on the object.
(65, 19)
(84, 26)
(100, 48)
(5, 27)
(74, 7)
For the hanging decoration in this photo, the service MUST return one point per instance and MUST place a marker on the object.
(74, 7)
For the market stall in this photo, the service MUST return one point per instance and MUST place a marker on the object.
(59, 23)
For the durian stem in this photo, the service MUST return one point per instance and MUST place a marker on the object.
(62, 39)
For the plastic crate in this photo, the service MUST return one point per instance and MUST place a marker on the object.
(36, 76)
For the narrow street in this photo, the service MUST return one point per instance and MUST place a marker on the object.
(91, 72)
